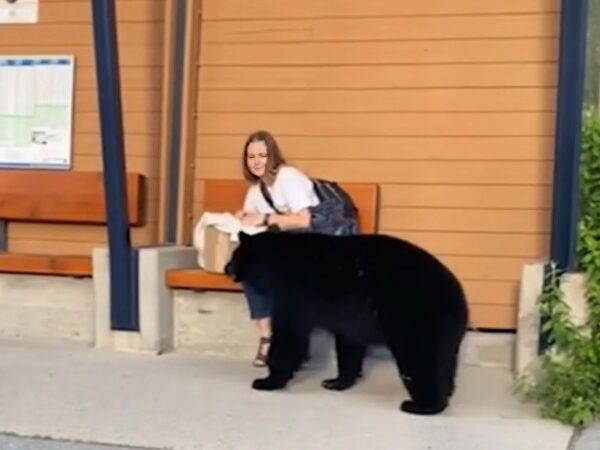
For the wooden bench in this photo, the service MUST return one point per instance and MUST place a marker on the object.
(228, 196)
(59, 197)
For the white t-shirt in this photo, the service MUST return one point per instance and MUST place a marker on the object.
(291, 192)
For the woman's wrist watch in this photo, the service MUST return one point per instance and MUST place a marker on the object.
(265, 221)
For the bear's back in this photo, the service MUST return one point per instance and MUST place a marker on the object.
(351, 260)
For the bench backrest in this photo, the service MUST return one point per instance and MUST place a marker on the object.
(228, 196)
(63, 197)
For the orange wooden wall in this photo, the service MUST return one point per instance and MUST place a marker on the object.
(65, 27)
(448, 105)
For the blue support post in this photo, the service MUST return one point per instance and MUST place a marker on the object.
(3, 235)
(175, 145)
(565, 207)
(567, 151)
(122, 257)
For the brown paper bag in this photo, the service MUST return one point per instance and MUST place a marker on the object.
(218, 249)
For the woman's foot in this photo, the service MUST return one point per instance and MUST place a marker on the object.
(260, 360)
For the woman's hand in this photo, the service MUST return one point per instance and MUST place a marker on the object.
(253, 219)
(300, 219)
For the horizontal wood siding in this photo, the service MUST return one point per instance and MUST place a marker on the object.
(449, 106)
(65, 26)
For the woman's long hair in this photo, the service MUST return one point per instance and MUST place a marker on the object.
(275, 158)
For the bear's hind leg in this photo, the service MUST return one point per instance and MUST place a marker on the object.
(450, 349)
(426, 398)
(425, 381)
(350, 357)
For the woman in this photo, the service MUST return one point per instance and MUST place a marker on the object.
(279, 195)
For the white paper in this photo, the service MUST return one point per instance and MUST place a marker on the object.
(18, 11)
(36, 95)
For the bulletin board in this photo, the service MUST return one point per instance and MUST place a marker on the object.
(36, 111)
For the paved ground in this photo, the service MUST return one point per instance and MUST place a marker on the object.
(12, 442)
(587, 440)
(186, 402)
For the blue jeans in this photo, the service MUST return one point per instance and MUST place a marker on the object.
(259, 304)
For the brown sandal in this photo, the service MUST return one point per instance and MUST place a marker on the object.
(260, 360)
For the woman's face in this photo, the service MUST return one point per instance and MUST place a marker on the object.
(256, 158)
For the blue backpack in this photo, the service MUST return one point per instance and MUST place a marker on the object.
(336, 214)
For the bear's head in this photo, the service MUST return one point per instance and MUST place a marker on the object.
(264, 258)
(246, 259)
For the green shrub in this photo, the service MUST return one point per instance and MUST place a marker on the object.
(568, 385)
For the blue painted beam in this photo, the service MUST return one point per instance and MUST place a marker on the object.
(3, 235)
(567, 147)
(122, 257)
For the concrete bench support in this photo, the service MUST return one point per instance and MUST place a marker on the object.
(156, 300)
(528, 329)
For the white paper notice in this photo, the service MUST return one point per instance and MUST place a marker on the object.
(36, 111)
(18, 11)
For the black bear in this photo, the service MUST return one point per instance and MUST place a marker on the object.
(366, 290)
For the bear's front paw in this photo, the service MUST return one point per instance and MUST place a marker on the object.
(411, 407)
(338, 384)
(268, 384)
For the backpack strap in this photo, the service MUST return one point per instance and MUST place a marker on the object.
(267, 196)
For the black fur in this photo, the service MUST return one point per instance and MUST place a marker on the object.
(366, 290)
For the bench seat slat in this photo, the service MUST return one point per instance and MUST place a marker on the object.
(66, 265)
(200, 279)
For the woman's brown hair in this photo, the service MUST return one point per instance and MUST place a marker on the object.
(275, 158)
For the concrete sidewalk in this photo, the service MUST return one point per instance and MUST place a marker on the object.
(13, 442)
(185, 401)
(588, 439)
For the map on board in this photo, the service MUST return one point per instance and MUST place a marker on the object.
(36, 111)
